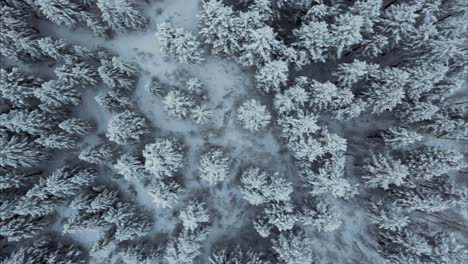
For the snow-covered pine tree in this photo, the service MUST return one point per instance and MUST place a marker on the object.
(214, 166)
(334, 145)
(177, 104)
(92, 206)
(282, 215)
(98, 154)
(427, 202)
(293, 99)
(83, 221)
(19, 227)
(130, 223)
(330, 179)
(10, 179)
(95, 199)
(114, 101)
(374, 45)
(321, 215)
(235, 255)
(382, 170)
(345, 106)
(272, 76)
(21, 6)
(297, 125)
(76, 126)
(351, 73)
(449, 121)
(251, 19)
(321, 94)
(253, 182)
(127, 127)
(264, 9)
(165, 193)
(448, 49)
(284, 103)
(155, 87)
(219, 27)
(82, 53)
(62, 183)
(178, 43)
(432, 196)
(398, 22)
(392, 218)
(201, 114)
(397, 137)
(142, 253)
(131, 167)
(57, 94)
(252, 115)
(77, 74)
(121, 15)
(312, 40)
(447, 249)
(261, 225)
(383, 98)
(59, 140)
(387, 90)
(416, 112)
(116, 72)
(185, 248)
(35, 206)
(18, 87)
(278, 189)
(345, 32)
(18, 37)
(194, 86)
(163, 157)
(61, 12)
(294, 248)
(95, 23)
(306, 150)
(412, 242)
(261, 46)
(103, 248)
(258, 187)
(46, 249)
(57, 50)
(47, 195)
(426, 162)
(422, 79)
(316, 11)
(194, 215)
(369, 10)
(35, 122)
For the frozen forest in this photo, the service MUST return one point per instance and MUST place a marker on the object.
(233, 131)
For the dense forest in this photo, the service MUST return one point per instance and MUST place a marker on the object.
(233, 132)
